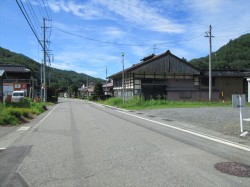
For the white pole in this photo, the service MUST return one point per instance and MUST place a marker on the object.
(123, 82)
(241, 125)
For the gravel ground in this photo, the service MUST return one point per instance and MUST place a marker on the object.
(224, 120)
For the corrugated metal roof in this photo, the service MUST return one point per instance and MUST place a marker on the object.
(14, 68)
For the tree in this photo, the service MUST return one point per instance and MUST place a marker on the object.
(73, 89)
(98, 91)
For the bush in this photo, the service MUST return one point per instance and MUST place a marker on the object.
(16, 112)
(12, 113)
(7, 119)
(24, 103)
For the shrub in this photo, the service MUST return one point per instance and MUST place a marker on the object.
(26, 112)
(7, 119)
(24, 103)
(16, 112)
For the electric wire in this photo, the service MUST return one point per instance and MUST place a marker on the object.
(45, 9)
(29, 24)
(124, 44)
(34, 16)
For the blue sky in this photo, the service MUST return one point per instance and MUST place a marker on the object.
(88, 35)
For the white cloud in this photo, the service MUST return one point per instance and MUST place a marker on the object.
(113, 32)
(143, 16)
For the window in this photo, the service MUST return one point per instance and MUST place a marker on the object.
(196, 81)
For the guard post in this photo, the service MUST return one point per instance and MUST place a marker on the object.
(239, 101)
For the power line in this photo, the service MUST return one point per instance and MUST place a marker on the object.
(42, 12)
(34, 32)
(45, 9)
(49, 9)
(33, 14)
(124, 44)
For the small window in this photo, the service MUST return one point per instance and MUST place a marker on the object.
(196, 81)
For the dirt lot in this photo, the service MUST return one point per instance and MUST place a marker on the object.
(212, 120)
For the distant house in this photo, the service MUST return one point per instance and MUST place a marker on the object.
(87, 91)
(18, 78)
(108, 89)
(166, 76)
(2, 76)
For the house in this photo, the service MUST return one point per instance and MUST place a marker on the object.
(87, 91)
(108, 89)
(2, 76)
(166, 76)
(18, 78)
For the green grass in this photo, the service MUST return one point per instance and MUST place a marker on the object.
(14, 113)
(140, 104)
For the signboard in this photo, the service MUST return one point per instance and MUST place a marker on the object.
(238, 101)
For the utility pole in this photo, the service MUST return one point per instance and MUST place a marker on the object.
(123, 82)
(44, 62)
(155, 48)
(106, 82)
(209, 34)
(41, 71)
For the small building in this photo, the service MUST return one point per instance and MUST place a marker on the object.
(2, 76)
(166, 76)
(18, 79)
(108, 89)
(87, 91)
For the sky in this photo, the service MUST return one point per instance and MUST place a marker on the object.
(88, 36)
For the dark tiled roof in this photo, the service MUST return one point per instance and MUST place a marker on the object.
(150, 58)
(14, 68)
(228, 73)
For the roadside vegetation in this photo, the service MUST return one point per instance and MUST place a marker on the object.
(16, 113)
(140, 104)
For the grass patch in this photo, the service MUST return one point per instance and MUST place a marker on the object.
(140, 104)
(14, 113)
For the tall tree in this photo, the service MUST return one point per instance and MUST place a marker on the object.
(98, 91)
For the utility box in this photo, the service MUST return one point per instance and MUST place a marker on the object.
(239, 101)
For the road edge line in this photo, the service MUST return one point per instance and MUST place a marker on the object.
(45, 117)
(202, 135)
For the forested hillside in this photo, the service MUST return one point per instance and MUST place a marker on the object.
(235, 56)
(59, 78)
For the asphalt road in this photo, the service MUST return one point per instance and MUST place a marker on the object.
(82, 144)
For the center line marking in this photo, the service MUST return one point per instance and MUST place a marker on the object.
(202, 135)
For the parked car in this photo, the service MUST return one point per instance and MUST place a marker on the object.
(17, 96)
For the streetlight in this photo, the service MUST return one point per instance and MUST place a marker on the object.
(123, 83)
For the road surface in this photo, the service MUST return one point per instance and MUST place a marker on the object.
(78, 143)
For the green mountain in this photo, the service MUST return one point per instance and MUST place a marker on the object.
(233, 56)
(60, 79)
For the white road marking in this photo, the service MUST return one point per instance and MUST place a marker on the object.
(202, 135)
(2, 148)
(45, 117)
(23, 128)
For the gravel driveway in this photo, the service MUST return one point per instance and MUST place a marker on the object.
(225, 120)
